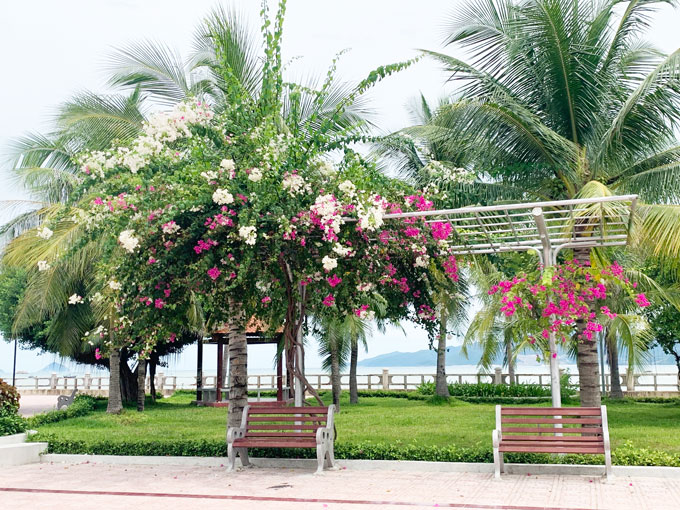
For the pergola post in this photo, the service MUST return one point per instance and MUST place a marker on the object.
(199, 370)
(548, 261)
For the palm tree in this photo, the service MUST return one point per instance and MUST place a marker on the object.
(570, 93)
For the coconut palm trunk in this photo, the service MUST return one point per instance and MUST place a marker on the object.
(354, 358)
(615, 390)
(141, 384)
(238, 376)
(115, 404)
(442, 388)
(511, 361)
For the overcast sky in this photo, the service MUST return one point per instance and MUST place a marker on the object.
(52, 49)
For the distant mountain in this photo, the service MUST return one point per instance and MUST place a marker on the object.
(426, 357)
(55, 367)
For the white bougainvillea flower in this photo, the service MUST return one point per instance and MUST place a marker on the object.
(43, 265)
(170, 227)
(329, 263)
(348, 188)
(210, 175)
(249, 234)
(222, 197)
(75, 299)
(44, 232)
(114, 285)
(228, 165)
(128, 240)
(255, 174)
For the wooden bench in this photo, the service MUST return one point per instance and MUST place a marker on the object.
(66, 400)
(551, 430)
(283, 427)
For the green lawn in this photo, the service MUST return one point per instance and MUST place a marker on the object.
(374, 420)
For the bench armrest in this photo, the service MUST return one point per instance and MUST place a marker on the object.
(235, 433)
(324, 434)
(496, 437)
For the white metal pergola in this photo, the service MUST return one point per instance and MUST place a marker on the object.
(545, 228)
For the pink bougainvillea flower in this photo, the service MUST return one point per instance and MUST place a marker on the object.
(334, 280)
(97, 353)
(159, 303)
(214, 273)
(266, 299)
(329, 300)
(172, 338)
(151, 260)
(641, 300)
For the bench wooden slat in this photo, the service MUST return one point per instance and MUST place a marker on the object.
(554, 444)
(589, 421)
(280, 434)
(281, 426)
(551, 411)
(565, 430)
(592, 439)
(268, 443)
(288, 410)
(549, 449)
(321, 419)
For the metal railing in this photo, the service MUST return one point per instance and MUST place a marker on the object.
(53, 384)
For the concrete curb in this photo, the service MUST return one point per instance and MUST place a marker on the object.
(373, 465)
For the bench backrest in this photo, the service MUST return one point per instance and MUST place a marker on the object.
(275, 421)
(544, 423)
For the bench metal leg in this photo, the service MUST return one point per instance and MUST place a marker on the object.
(320, 458)
(243, 453)
(231, 458)
(497, 463)
(330, 458)
(608, 464)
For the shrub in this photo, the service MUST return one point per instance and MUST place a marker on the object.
(426, 388)
(9, 399)
(12, 424)
(82, 405)
(626, 455)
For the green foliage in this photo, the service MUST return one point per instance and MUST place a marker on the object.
(9, 399)
(12, 424)
(81, 406)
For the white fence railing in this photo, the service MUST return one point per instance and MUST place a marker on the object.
(645, 381)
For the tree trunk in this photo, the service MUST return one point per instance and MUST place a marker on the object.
(511, 362)
(589, 373)
(586, 356)
(442, 388)
(353, 387)
(153, 361)
(128, 379)
(335, 376)
(615, 390)
(115, 405)
(238, 376)
(141, 384)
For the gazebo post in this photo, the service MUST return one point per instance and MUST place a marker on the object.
(199, 370)
(220, 382)
(548, 261)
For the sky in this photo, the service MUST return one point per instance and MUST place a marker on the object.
(51, 50)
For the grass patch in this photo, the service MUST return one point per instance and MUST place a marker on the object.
(387, 427)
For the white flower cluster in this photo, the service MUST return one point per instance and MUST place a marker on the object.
(294, 184)
(222, 197)
(75, 299)
(170, 228)
(329, 263)
(255, 174)
(128, 240)
(441, 172)
(43, 265)
(249, 234)
(367, 314)
(275, 150)
(341, 250)
(365, 287)
(229, 166)
(161, 128)
(327, 208)
(210, 175)
(114, 285)
(44, 233)
(371, 217)
(326, 168)
(348, 188)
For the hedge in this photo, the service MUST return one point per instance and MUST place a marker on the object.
(626, 455)
(81, 406)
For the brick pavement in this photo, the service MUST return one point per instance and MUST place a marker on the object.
(104, 486)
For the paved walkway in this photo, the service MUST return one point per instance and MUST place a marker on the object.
(104, 486)
(34, 404)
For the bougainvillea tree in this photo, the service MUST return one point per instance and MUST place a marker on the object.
(568, 300)
(249, 214)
